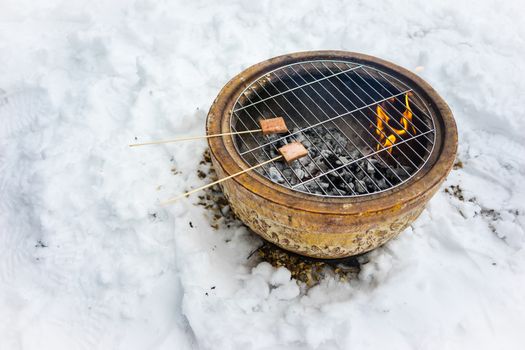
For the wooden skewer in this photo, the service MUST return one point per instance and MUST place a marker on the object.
(219, 181)
(290, 152)
(193, 138)
(268, 126)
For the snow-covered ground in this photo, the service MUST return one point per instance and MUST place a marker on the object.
(89, 260)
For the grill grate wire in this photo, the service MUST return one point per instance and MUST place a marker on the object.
(329, 98)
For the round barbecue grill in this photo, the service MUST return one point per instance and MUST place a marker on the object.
(380, 141)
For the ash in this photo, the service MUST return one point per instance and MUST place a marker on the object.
(328, 149)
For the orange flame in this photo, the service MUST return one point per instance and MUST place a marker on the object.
(382, 120)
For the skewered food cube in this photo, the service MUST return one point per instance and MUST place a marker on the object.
(293, 151)
(273, 126)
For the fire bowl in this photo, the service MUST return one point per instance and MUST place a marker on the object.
(380, 139)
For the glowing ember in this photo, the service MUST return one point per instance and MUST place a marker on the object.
(388, 135)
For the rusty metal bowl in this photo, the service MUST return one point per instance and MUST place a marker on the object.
(327, 227)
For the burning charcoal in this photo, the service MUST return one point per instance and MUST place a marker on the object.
(348, 177)
(302, 188)
(334, 177)
(338, 190)
(314, 172)
(373, 161)
(312, 187)
(407, 169)
(361, 186)
(382, 184)
(350, 187)
(400, 171)
(370, 168)
(300, 174)
(304, 161)
(275, 175)
(272, 138)
(390, 174)
(323, 167)
(355, 154)
(343, 141)
(326, 153)
(311, 167)
(366, 151)
(300, 138)
(370, 183)
(342, 160)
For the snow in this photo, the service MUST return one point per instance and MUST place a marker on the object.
(88, 258)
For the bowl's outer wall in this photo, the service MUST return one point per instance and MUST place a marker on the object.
(319, 235)
(327, 228)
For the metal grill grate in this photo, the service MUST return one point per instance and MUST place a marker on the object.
(347, 115)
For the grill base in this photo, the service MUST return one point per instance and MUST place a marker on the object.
(319, 235)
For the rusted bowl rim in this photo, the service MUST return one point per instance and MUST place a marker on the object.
(223, 149)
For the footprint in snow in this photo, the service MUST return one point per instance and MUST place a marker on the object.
(20, 109)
